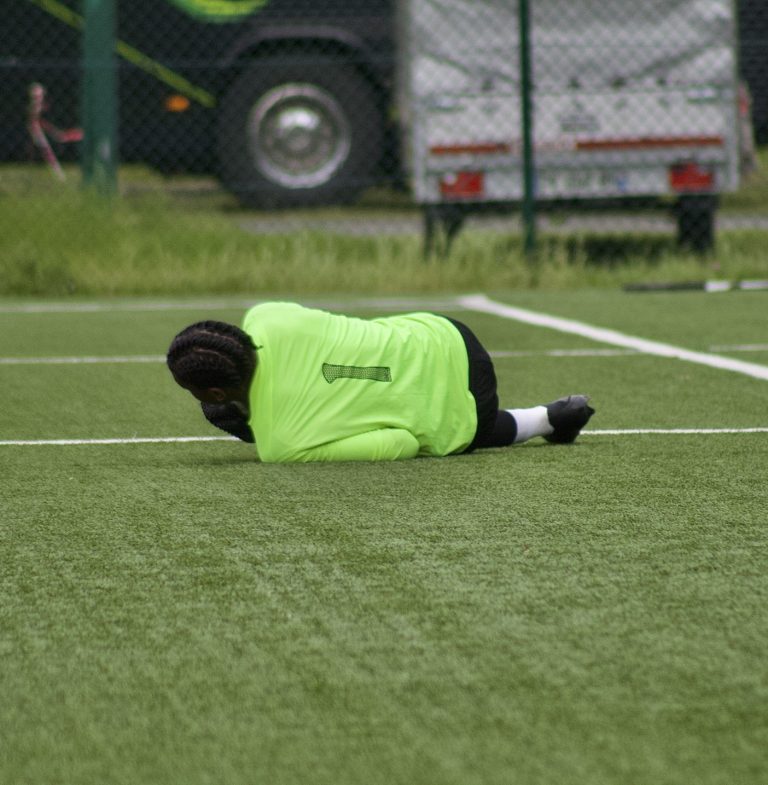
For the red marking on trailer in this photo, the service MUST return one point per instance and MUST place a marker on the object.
(480, 148)
(462, 185)
(650, 142)
(691, 177)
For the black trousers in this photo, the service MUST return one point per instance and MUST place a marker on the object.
(494, 428)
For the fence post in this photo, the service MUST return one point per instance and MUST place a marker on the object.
(99, 96)
(526, 115)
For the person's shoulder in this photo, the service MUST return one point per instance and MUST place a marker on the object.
(270, 311)
(416, 319)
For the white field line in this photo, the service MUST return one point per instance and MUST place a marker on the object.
(98, 442)
(159, 358)
(483, 304)
(134, 358)
(366, 303)
(190, 439)
(139, 306)
(670, 431)
(472, 302)
(744, 347)
(740, 347)
(566, 353)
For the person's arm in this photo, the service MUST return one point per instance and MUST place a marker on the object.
(230, 418)
(386, 444)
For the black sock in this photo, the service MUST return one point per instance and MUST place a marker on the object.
(504, 431)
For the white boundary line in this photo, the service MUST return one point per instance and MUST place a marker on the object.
(131, 440)
(129, 307)
(135, 358)
(740, 347)
(481, 303)
(159, 358)
(191, 439)
(375, 303)
(502, 353)
(567, 353)
(671, 431)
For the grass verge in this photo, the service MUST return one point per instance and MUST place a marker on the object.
(153, 241)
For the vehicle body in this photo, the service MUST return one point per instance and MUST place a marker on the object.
(630, 101)
(291, 101)
(287, 100)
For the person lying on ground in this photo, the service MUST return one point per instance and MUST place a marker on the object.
(308, 385)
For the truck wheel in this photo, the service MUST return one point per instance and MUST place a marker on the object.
(298, 132)
(696, 222)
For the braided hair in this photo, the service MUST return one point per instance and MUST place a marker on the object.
(212, 354)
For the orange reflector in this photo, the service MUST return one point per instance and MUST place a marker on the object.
(176, 103)
(691, 177)
(462, 185)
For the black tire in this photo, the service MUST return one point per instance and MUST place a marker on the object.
(696, 222)
(298, 131)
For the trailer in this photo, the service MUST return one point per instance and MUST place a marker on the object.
(632, 103)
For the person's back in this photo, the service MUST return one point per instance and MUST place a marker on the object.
(335, 387)
(307, 385)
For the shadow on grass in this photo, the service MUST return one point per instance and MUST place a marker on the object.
(612, 250)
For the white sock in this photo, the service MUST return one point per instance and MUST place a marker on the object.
(531, 422)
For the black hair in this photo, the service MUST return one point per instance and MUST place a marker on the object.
(212, 354)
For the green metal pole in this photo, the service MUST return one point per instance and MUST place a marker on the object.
(99, 97)
(529, 184)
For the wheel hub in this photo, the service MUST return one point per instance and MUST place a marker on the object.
(299, 135)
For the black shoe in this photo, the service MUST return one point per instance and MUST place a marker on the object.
(568, 416)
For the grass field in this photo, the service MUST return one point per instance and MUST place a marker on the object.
(178, 613)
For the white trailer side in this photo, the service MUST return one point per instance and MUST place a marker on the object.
(630, 99)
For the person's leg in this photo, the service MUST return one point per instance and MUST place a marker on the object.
(504, 431)
(559, 422)
(531, 422)
(482, 385)
(567, 416)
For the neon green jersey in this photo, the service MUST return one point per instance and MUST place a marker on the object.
(335, 388)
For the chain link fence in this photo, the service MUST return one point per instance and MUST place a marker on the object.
(292, 103)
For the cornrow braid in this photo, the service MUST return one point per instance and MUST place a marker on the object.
(212, 354)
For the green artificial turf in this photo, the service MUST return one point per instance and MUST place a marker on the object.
(182, 614)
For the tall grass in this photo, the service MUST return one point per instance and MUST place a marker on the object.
(153, 243)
